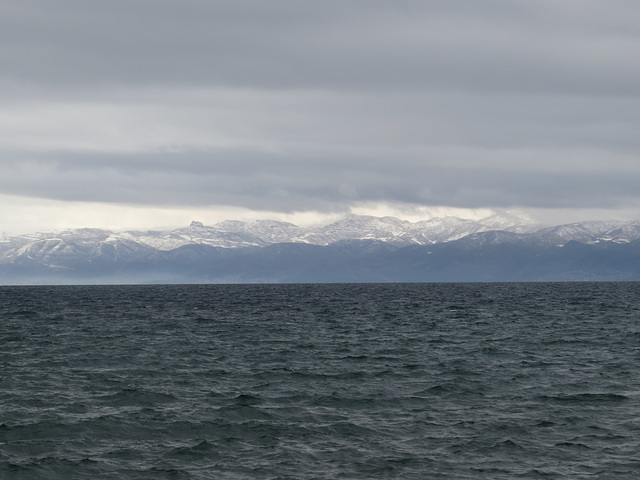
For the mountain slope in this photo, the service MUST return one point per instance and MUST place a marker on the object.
(357, 248)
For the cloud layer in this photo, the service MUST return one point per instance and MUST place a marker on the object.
(292, 106)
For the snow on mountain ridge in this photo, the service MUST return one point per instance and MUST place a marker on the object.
(45, 248)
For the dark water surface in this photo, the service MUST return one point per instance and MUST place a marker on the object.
(495, 381)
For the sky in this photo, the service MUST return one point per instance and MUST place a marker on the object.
(152, 113)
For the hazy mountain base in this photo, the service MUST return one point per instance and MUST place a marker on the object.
(481, 258)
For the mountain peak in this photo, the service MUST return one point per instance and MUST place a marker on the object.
(278, 251)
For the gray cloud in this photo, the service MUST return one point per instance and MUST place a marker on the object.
(301, 105)
(277, 183)
(496, 45)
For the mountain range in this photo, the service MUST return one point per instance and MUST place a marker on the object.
(501, 247)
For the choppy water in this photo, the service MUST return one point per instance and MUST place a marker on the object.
(495, 381)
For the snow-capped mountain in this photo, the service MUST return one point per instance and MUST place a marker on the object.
(590, 232)
(236, 234)
(260, 233)
(239, 248)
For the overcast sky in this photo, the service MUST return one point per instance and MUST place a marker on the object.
(155, 112)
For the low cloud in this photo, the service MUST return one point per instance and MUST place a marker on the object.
(292, 106)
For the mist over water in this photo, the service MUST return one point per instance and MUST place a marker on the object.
(496, 381)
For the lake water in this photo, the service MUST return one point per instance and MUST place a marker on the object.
(460, 381)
